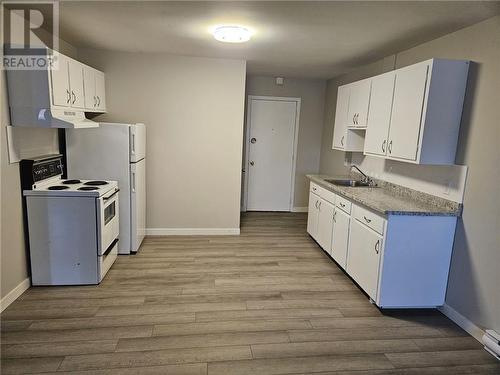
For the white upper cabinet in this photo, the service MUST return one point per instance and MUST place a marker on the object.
(95, 97)
(359, 100)
(379, 116)
(76, 84)
(409, 95)
(59, 82)
(100, 91)
(341, 111)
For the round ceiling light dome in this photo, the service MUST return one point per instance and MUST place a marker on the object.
(232, 34)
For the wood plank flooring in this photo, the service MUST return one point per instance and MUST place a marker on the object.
(269, 301)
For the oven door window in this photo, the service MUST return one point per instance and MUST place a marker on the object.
(109, 212)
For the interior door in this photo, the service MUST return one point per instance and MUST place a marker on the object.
(379, 116)
(340, 239)
(270, 154)
(59, 76)
(325, 225)
(409, 93)
(340, 128)
(89, 87)
(76, 84)
(364, 257)
(138, 203)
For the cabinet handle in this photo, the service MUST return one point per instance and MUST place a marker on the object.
(377, 246)
(354, 119)
(383, 145)
(319, 206)
(342, 204)
(390, 147)
(357, 116)
(98, 101)
(366, 219)
(316, 204)
(334, 216)
(95, 101)
(342, 140)
(69, 96)
(74, 97)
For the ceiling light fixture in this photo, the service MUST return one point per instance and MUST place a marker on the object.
(232, 34)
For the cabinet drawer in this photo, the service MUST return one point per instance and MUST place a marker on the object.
(323, 193)
(370, 219)
(343, 204)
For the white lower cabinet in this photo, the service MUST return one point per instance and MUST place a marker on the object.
(363, 259)
(340, 237)
(325, 225)
(400, 261)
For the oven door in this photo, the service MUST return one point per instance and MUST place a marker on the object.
(108, 223)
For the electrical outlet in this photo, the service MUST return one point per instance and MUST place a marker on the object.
(447, 187)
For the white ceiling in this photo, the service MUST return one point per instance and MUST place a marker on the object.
(291, 38)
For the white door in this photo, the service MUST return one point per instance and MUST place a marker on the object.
(340, 240)
(89, 86)
(409, 93)
(312, 215)
(325, 225)
(379, 116)
(76, 84)
(138, 203)
(59, 76)
(358, 103)
(100, 91)
(270, 154)
(364, 257)
(340, 128)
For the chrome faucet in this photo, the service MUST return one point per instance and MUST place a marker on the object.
(365, 178)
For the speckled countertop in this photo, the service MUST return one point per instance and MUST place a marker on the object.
(391, 199)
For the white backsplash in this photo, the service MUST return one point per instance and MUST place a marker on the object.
(445, 181)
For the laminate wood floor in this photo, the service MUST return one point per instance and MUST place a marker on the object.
(269, 301)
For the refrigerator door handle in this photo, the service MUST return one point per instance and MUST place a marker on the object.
(133, 182)
(133, 143)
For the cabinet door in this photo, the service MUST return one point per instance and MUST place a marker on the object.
(340, 128)
(379, 114)
(325, 225)
(312, 215)
(358, 103)
(100, 91)
(409, 93)
(363, 257)
(89, 86)
(340, 240)
(76, 84)
(59, 79)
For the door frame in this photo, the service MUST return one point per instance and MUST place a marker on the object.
(295, 143)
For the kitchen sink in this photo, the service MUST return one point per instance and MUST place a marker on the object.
(350, 183)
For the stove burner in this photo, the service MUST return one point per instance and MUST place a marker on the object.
(71, 182)
(88, 188)
(96, 183)
(58, 187)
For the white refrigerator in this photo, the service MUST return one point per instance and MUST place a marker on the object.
(114, 152)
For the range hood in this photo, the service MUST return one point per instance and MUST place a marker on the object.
(50, 118)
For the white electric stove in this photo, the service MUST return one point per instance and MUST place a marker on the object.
(73, 225)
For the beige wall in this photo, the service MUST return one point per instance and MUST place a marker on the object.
(474, 281)
(27, 142)
(312, 94)
(193, 109)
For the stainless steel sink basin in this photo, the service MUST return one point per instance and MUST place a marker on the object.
(350, 183)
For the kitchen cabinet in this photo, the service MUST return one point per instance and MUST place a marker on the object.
(95, 96)
(379, 117)
(75, 70)
(364, 257)
(400, 261)
(59, 82)
(359, 100)
(343, 138)
(340, 237)
(325, 225)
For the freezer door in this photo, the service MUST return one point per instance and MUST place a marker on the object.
(138, 203)
(137, 142)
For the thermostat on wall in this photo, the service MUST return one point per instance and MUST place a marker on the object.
(280, 80)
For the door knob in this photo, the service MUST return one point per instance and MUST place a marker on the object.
(253, 140)
(252, 163)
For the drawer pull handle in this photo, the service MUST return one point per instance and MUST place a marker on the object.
(342, 204)
(316, 204)
(377, 246)
(366, 219)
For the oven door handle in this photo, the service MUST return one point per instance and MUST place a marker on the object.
(110, 247)
(112, 195)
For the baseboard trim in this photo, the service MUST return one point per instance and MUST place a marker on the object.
(192, 231)
(14, 294)
(299, 209)
(463, 322)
